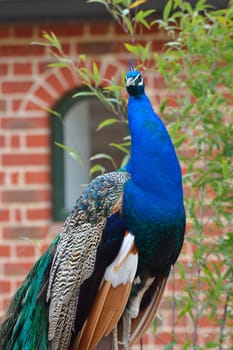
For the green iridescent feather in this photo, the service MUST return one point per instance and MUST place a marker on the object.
(26, 319)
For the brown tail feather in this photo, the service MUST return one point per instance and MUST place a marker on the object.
(106, 312)
(141, 323)
(110, 302)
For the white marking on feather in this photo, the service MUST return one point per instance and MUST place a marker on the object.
(133, 309)
(123, 269)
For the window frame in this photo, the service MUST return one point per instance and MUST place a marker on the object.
(59, 212)
(66, 102)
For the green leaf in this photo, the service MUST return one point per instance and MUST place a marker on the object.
(132, 48)
(155, 325)
(82, 57)
(97, 168)
(71, 151)
(170, 346)
(145, 51)
(101, 156)
(106, 122)
(212, 344)
(125, 161)
(179, 141)
(137, 3)
(163, 105)
(40, 43)
(225, 169)
(58, 65)
(98, 1)
(113, 88)
(140, 17)
(120, 147)
(96, 74)
(53, 40)
(167, 10)
(128, 24)
(53, 112)
(84, 94)
(182, 272)
(56, 42)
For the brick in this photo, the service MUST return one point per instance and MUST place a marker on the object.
(4, 214)
(25, 196)
(21, 50)
(157, 45)
(66, 48)
(204, 321)
(111, 72)
(4, 250)
(98, 48)
(42, 67)
(5, 287)
(38, 140)
(211, 229)
(5, 302)
(2, 140)
(38, 177)
(44, 95)
(25, 159)
(2, 177)
(141, 30)
(118, 30)
(14, 177)
(17, 214)
(33, 106)
(207, 210)
(17, 232)
(67, 30)
(39, 214)
(4, 67)
(69, 77)
(25, 251)
(119, 49)
(22, 69)
(23, 31)
(165, 337)
(180, 285)
(16, 268)
(15, 103)
(99, 28)
(25, 123)
(12, 87)
(15, 141)
(44, 247)
(4, 32)
(2, 105)
(55, 83)
(18, 282)
(159, 82)
(172, 101)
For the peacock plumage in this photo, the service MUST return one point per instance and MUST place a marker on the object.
(99, 284)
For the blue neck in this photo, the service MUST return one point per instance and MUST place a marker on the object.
(153, 164)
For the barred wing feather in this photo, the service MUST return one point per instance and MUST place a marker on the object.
(74, 260)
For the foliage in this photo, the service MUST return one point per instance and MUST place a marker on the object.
(196, 65)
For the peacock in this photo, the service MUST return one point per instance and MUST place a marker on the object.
(100, 282)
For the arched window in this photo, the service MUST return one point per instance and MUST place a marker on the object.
(77, 130)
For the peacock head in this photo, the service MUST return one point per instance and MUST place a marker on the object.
(134, 82)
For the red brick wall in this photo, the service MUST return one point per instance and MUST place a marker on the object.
(26, 85)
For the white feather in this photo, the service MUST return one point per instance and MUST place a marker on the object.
(123, 269)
